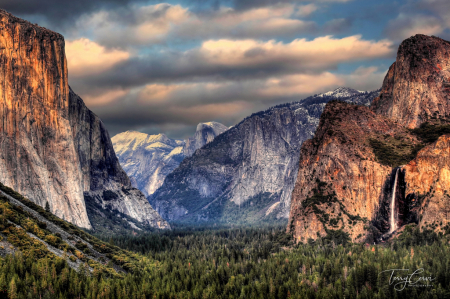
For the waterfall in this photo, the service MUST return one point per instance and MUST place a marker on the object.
(392, 221)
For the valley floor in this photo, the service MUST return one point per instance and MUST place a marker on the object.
(242, 263)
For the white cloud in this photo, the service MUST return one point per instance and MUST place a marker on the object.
(308, 55)
(85, 57)
(156, 24)
(139, 26)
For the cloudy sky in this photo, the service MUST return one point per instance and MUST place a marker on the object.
(164, 67)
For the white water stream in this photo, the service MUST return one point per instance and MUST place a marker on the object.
(392, 221)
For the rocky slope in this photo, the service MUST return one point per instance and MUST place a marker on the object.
(247, 173)
(53, 148)
(28, 228)
(369, 172)
(148, 159)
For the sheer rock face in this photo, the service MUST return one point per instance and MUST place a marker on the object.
(415, 90)
(341, 158)
(428, 180)
(417, 86)
(38, 156)
(52, 147)
(148, 159)
(99, 164)
(101, 169)
(205, 133)
(254, 161)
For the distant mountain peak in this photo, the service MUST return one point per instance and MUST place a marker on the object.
(205, 133)
(247, 173)
(148, 159)
(218, 128)
(341, 92)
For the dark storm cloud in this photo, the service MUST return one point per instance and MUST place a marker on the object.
(172, 68)
(58, 12)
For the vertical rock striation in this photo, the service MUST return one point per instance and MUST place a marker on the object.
(205, 133)
(38, 156)
(340, 179)
(416, 88)
(352, 164)
(247, 173)
(428, 180)
(52, 147)
(105, 183)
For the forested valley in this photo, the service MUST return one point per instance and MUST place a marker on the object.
(239, 263)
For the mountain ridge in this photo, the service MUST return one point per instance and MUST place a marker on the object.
(251, 166)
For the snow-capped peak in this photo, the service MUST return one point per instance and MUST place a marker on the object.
(340, 92)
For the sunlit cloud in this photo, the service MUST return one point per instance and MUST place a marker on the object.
(322, 52)
(86, 57)
(157, 24)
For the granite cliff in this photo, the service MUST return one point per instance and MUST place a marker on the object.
(247, 173)
(205, 133)
(53, 148)
(342, 173)
(416, 88)
(368, 172)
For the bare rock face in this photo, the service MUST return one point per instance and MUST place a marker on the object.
(340, 179)
(52, 147)
(428, 180)
(247, 173)
(102, 174)
(417, 86)
(204, 134)
(38, 156)
(384, 167)
(148, 159)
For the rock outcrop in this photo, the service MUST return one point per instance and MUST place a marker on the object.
(416, 88)
(52, 147)
(205, 133)
(343, 171)
(148, 159)
(247, 173)
(369, 172)
(427, 180)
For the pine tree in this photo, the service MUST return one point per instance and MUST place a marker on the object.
(12, 291)
(47, 207)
